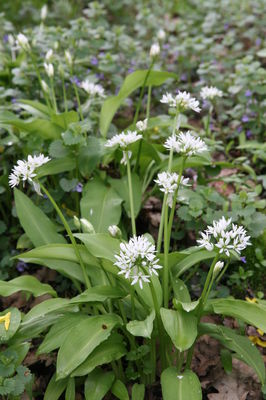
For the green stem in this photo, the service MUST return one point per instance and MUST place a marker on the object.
(172, 213)
(219, 277)
(133, 308)
(148, 102)
(53, 94)
(78, 101)
(160, 233)
(142, 93)
(165, 267)
(64, 94)
(131, 201)
(70, 234)
(40, 80)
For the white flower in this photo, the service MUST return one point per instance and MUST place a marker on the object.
(45, 87)
(49, 55)
(25, 171)
(154, 50)
(114, 231)
(186, 144)
(49, 68)
(183, 101)
(142, 125)
(23, 42)
(137, 260)
(220, 236)
(161, 34)
(167, 182)
(218, 268)
(11, 40)
(68, 57)
(208, 93)
(126, 155)
(92, 88)
(86, 226)
(44, 12)
(124, 139)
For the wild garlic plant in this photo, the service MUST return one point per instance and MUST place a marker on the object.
(132, 311)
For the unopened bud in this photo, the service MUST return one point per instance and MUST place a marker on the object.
(114, 231)
(76, 222)
(161, 34)
(45, 87)
(44, 12)
(23, 42)
(217, 268)
(49, 68)
(86, 226)
(155, 50)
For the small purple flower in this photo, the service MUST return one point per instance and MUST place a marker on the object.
(75, 80)
(211, 126)
(102, 54)
(248, 93)
(183, 77)
(166, 46)
(240, 129)
(88, 70)
(100, 76)
(245, 118)
(21, 266)
(45, 196)
(78, 188)
(226, 26)
(130, 70)
(258, 42)
(205, 104)
(94, 60)
(248, 134)
(243, 259)
(5, 38)
(13, 100)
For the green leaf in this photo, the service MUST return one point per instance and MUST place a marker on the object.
(101, 205)
(112, 349)
(226, 359)
(25, 283)
(41, 127)
(131, 83)
(121, 187)
(15, 319)
(70, 390)
(55, 388)
(180, 386)
(252, 313)
(65, 119)
(97, 384)
(119, 390)
(82, 340)
(138, 391)
(181, 326)
(35, 108)
(59, 331)
(98, 294)
(246, 351)
(57, 166)
(181, 292)
(100, 245)
(189, 261)
(21, 350)
(89, 156)
(142, 328)
(68, 184)
(35, 223)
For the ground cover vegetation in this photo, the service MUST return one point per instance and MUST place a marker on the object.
(132, 200)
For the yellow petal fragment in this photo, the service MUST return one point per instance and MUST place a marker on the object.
(254, 300)
(6, 319)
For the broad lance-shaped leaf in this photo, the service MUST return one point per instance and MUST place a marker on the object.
(55, 388)
(100, 245)
(252, 313)
(101, 205)
(119, 390)
(35, 223)
(121, 187)
(189, 261)
(25, 283)
(82, 340)
(181, 326)
(180, 386)
(57, 166)
(138, 391)
(142, 328)
(130, 84)
(112, 349)
(97, 384)
(241, 345)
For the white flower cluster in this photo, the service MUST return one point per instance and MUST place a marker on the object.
(183, 101)
(137, 260)
(185, 143)
(142, 125)
(167, 182)
(124, 139)
(25, 171)
(224, 238)
(92, 89)
(208, 93)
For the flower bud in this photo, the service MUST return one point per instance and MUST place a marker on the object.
(68, 57)
(45, 87)
(142, 125)
(161, 34)
(86, 226)
(44, 12)
(23, 42)
(155, 50)
(76, 222)
(49, 68)
(114, 231)
(217, 268)
(49, 55)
